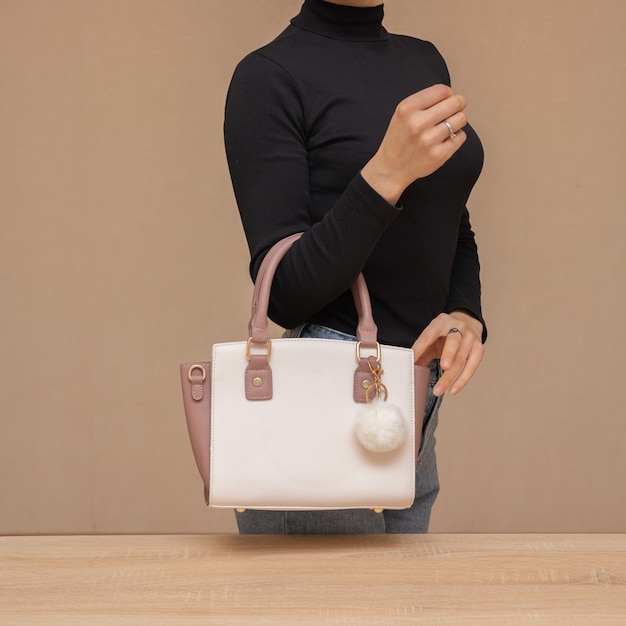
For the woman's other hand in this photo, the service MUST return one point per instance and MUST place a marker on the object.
(455, 339)
(418, 140)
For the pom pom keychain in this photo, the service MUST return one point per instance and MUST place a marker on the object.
(379, 426)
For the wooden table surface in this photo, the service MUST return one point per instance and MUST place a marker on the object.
(302, 580)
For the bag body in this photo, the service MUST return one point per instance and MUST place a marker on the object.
(286, 423)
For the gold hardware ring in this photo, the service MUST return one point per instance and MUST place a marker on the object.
(358, 351)
(268, 346)
(379, 389)
(196, 367)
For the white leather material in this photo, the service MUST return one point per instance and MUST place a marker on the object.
(299, 450)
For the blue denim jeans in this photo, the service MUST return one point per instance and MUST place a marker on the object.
(360, 521)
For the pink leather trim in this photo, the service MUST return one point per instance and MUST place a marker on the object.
(361, 374)
(366, 331)
(197, 404)
(197, 387)
(258, 326)
(259, 372)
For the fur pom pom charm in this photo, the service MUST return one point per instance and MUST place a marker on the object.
(380, 426)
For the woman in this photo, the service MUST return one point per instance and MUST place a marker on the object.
(353, 136)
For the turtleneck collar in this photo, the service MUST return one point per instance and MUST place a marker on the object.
(339, 21)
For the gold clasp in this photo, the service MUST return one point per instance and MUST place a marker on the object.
(196, 367)
(358, 351)
(378, 386)
(268, 346)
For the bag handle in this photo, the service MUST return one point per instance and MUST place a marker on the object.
(367, 330)
(258, 374)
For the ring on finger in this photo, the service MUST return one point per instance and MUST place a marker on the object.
(453, 330)
(450, 129)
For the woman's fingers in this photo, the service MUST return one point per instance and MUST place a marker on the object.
(471, 365)
(425, 347)
(452, 348)
(456, 340)
(429, 97)
(418, 141)
(456, 124)
(462, 358)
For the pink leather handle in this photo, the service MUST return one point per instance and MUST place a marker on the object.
(258, 326)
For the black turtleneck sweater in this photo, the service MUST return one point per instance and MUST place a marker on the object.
(303, 116)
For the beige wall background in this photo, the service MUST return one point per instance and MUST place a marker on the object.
(121, 255)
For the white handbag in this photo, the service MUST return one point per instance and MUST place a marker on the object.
(305, 424)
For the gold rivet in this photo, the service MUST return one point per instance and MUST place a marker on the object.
(365, 384)
(378, 510)
(241, 510)
(257, 382)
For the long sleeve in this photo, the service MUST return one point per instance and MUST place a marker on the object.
(265, 136)
(465, 287)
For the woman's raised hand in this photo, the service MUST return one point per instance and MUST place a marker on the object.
(418, 141)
